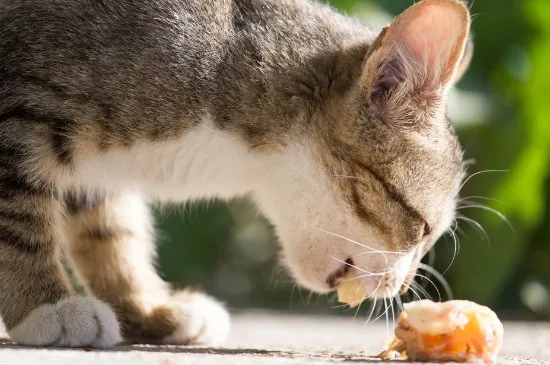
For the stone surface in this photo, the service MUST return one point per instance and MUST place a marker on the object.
(275, 338)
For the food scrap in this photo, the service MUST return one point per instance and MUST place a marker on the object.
(351, 292)
(458, 330)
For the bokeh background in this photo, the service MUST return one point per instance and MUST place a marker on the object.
(501, 110)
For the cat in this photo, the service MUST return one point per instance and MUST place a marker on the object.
(339, 134)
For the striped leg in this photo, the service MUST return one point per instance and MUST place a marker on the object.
(111, 247)
(35, 296)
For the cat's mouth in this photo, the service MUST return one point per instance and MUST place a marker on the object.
(333, 278)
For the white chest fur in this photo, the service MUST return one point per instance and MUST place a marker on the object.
(205, 162)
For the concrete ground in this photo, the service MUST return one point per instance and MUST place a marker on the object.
(275, 338)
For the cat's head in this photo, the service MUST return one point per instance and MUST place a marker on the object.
(374, 183)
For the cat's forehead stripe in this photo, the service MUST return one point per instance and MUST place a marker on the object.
(365, 213)
(392, 191)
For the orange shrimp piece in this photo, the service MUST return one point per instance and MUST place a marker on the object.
(458, 331)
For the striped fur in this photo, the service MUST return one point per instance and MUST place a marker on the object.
(339, 134)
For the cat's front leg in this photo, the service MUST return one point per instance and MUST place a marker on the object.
(36, 301)
(111, 247)
(73, 321)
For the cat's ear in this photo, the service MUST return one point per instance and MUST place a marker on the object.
(423, 48)
(465, 61)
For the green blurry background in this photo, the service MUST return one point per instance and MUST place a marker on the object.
(501, 110)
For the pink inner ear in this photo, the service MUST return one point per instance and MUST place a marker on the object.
(434, 32)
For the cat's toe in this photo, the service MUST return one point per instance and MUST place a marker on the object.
(71, 322)
(201, 320)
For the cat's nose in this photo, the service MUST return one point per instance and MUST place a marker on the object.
(332, 279)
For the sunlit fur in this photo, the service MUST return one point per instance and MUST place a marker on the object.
(339, 135)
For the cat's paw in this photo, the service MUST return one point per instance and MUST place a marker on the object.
(201, 320)
(71, 322)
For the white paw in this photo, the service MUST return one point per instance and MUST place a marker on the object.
(71, 322)
(203, 320)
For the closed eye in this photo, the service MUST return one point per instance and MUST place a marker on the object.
(427, 230)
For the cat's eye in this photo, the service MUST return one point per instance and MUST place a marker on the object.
(427, 230)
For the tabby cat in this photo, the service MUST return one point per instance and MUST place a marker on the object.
(338, 133)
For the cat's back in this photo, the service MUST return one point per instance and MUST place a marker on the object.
(107, 33)
(132, 60)
(142, 60)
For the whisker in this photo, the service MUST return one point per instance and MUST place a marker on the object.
(309, 297)
(392, 314)
(421, 290)
(359, 307)
(453, 234)
(367, 274)
(346, 305)
(489, 209)
(360, 244)
(413, 291)
(465, 199)
(331, 298)
(461, 231)
(339, 306)
(371, 311)
(301, 297)
(399, 303)
(478, 173)
(431, 262)
(435, 286)
(360, 301)
(350, 265)
(475, 224)
(457, 226)
(374, 292)
(438, 276)
(380, 310)
(387, 319)
(389, 252)
(292, 297)
(453, 229)
(377, 318)
(363, 299)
